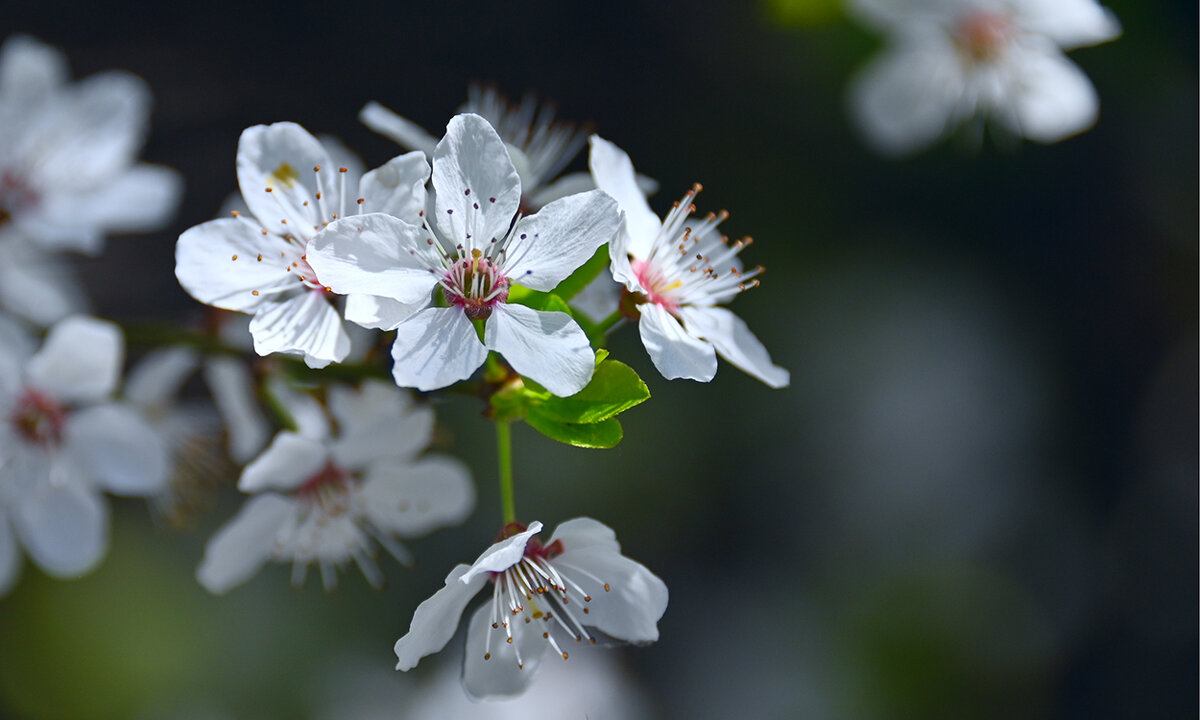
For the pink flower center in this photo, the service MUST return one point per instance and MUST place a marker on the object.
(984, 34)
(476, 284)
(329, 488)
(15, 195)
(656, 285)
(38, 418)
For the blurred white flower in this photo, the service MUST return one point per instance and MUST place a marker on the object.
(476, 254)
(68, 174)
(577, 587)
(327, 500)
(948, 61)
(294, 190)
(37, 284)
(677, 272)
(62, 443)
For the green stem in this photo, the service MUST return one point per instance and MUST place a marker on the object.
(599, 332)
(504, 455)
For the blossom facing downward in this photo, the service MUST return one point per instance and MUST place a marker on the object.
(575, 590)
(949, 61)
(326, 500)
(63, 442)
(259, 266)
(676, 272)
(477, 249)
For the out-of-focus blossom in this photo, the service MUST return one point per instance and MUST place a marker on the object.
(68, 174)
(676, 272)
(949, 61)
(328, 500)
(294, 190)
(37, 284)
(578, 588)
(63, 443)
(476, 255)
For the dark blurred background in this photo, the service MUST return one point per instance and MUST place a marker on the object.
(978, 498)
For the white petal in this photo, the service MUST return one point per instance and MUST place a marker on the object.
(378, 421)
(548, 347)
(154, 382)
(10, 556)
(285, 464)
(613, 172)
(734, 342)
(373, 254)
(1069, 23)
(38, 285)
(217, 263)
(241, 546)
(502, 555)
(63, 527)
(232, 389)
(142, 198)
(674, 352)
(29, 70)
(549, 246)
(411, 500)
(904, 99)
(397, 187)
(282, 157)
(305, 415)
(500, 676)
(305, 323)
(635, 601)
(568, 184)
(380, 313)
(405, 132)
(436, 619)
(80, 360)
(599, 298)
(584, 533)
(1053, 98)
(472, 157)
(117, 448)
(435, 348)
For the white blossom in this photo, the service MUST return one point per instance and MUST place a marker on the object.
(328, 499)
(259, 266)
(677, 272)
(577, 589)
(63, 443)
(475, 252)
(948, 61)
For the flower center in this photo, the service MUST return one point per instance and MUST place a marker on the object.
(983, 35)
(38, 419)
(475, 283)
(656, 285)
(15, 195)
(328, 490)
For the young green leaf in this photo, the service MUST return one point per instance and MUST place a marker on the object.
(604, 434)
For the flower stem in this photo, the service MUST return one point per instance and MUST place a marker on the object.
(599, 331)
(504, 456)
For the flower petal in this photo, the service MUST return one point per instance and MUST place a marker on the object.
(547, 247)
(1053, 99)
(436, 618)
(500, 675)
(476, 187)
(79, 361)
(502, 555)
(434, 348)
(412, 500)
(143, 197)
(373, 254)
(216, 263)
(1069, 23)
(37, 284)
(379, 313)
(10, 556)
(232, 389)
(568, 184)
(674, 352)
(285, 465)
(63, 526)
(115, 446)
(397, 188)
(613, 172)
(239, 548)
(29, 70)
(733, 340)
(275, 168)
(635, 599)
(400, 130)
(303, 324)
(584, 533)
(548, 347)
(154, 382)
(377, 421)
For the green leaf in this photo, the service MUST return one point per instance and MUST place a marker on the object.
(547, 302)
(583, 275)
(604, 434)
(614, 388)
